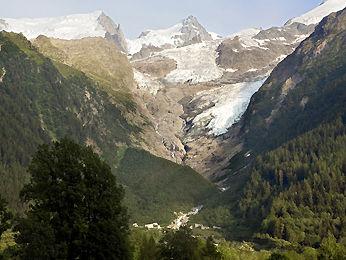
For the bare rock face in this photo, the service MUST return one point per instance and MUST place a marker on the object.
(146, 51)
(199, 113)
(244, 57)
(157, 66)
(113, 32)
(193, 32)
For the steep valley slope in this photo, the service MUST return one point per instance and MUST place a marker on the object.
(292, 164)
(184, 86)
(296, 190)
(43, 100)
(101, 60)
(172, 99)
(200, 90)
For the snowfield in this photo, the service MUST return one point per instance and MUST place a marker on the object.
(316, 15)
(230, 102)
(195, 63)
(247, 33)
(156, 38)
(65, 27)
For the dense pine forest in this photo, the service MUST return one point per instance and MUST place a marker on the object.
(297, 192)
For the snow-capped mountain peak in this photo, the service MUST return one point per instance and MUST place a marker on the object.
(317, 14)
(76, 26)
(188, 31)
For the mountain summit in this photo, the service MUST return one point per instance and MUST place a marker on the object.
(70, 27)
(188, 31)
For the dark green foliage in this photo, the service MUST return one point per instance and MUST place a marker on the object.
(222, 208)
(75, 207)
(210, 250)
(12, 180)
(158, 187)
(5, 216)
(332, 250)
(185, 244)
(179, 245)
(39, 103)
(298, 191)
(278, 256)
(148, 249)
(144, 243)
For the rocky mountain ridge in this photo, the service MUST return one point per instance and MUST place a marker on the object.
(192, 86)
(188, 31)
(44, 99)
(300, 88)
(213, 82)
(70, 27)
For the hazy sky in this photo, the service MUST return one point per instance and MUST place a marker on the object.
(220, 16)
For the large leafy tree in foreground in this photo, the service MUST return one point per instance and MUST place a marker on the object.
(76, 210)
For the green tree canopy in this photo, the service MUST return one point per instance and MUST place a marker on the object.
(5, 216)
(210, 250)
(75, 207)
(179, 245)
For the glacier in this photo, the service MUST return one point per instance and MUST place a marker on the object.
(230, 102)
(196, 63)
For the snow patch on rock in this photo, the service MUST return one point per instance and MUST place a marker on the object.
(247, 33)
(146, 82)
(247, 40)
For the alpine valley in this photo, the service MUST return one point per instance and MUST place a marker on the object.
(242, 137)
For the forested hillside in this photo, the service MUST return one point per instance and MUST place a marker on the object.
(297, 192)
(41, 101)
(293, 160)
(295, 125)
(157, 187)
